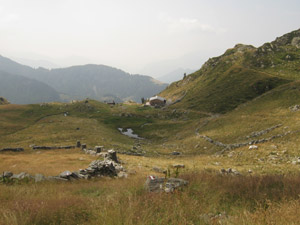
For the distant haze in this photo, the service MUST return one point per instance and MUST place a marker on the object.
(147, 37)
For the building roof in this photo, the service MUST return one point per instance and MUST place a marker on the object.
(157, 98)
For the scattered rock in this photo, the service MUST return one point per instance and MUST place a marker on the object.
(175, 153)
(55, 178)
(111, 155)
(39, 178)
(157, 169)
(122, 174)
(7, 174)
(178, 166)
(65, 174)
(98, 149)
(229, 171)
(173, 184)
(296, 42)
(295, 108)
(156, 184)
(253, 147)
(21, 176)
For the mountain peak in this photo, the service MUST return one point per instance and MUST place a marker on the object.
(292, 38)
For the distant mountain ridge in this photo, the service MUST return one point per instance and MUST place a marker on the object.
(22, 90)
(88, 81)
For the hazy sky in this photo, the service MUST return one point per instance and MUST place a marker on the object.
(139, 36)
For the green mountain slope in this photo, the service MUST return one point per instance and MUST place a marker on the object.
(22, 90)
(239, 75)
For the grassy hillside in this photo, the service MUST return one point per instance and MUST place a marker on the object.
(239, 75)
(265, 196)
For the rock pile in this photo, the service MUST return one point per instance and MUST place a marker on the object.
(156, 184)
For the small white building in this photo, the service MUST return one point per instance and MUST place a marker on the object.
(157, 101)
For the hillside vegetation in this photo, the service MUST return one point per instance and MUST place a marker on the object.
(239, 75)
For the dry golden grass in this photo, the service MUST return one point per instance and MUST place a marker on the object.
(45, 162)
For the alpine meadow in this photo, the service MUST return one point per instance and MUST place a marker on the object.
(92, 144)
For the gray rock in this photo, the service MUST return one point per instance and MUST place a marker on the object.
(296, 42)
(66, 174)
(157, 169)
(175, 153)
(83, 146)
(122, 174)
(230, 171)
(39, 178)
(156, 184)
(56, 178)
(21, 176)
(98, 149)
(173, 184)
(7, 174)
(112, 155)
(295, 108)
